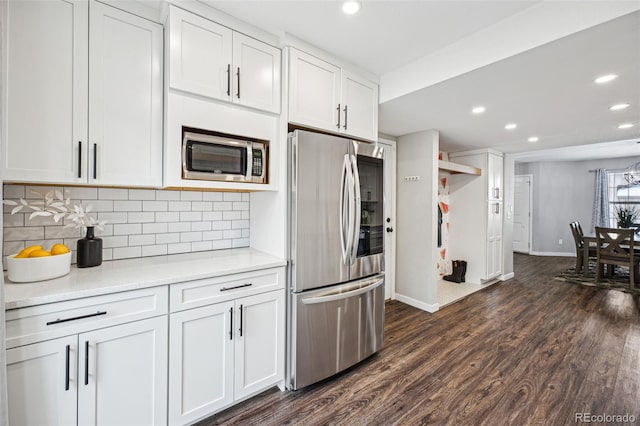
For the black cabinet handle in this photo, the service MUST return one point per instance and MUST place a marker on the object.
(345, 117)
(338, 125)
(228, 79)
(240, 320)
(389, 229)
(231, 324)
(238, 74)
(235, 287)
(95, 160)
(58, 321)
(79, 159)
(86, 362)
(66, 369)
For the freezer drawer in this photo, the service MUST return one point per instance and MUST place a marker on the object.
(335, 328)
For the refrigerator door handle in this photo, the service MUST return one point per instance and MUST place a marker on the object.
(358, 208)
(339, 296)
(345, 184)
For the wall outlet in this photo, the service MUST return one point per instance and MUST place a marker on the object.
(411, 178)
(560, 241)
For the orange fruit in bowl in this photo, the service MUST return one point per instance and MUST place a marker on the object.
(39, 253)
(27, 251)
(59, 249)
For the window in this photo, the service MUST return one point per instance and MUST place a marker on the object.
(622, 194)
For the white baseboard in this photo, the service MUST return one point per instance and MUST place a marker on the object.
(506, 277)
(417, 304)
(552, 253)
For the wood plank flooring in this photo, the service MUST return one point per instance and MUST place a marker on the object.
(531, 350)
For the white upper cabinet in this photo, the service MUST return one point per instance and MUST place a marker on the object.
(64, 127)
(494, 176)
(324, 96)
(212, 60)
(46, 91)
(314, 91)
(125, 94)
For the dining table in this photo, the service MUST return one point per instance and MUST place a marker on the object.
(590, 241)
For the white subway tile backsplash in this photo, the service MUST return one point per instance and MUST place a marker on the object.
(127, 206)
(140, 222)
(178, 248)
(142, 194)
(154, 228)
(155, 250)
(191, 195)
(141, 217)
(179, 206)
(179, 227)
(126, 252)
(142, 240)
(35, 192)
(154, 206)
(167, 195)
(113, 194)
(127, 228)
(232, 196)
(190, 216)
(167, 216)
(212, 196)
(168, 238)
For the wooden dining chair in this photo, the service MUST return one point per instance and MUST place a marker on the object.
(576, 231)
(614, 246)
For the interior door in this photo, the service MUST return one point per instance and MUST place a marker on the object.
(389, 167)
(316, 248)
(367, 258)
(522, 214)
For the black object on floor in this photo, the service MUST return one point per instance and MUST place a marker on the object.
(459, 270)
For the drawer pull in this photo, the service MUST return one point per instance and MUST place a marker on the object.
(66, 369)
(86, 362)
(235, 287)
(58, 321)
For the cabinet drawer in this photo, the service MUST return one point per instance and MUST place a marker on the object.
(193, 294)
(53, 320)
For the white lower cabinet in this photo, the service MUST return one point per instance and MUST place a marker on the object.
(224, 352)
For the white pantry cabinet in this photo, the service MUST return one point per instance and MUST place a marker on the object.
(112, 369)
(476, 215)
(223, 352)
(66, 127)
(324, 96)
(211, 60)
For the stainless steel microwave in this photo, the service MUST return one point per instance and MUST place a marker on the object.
(216, 156)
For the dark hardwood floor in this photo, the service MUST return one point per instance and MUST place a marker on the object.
(531, 350)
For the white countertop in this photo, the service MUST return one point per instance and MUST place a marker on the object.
(131, 274)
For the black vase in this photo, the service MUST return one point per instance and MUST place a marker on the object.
(89, 250)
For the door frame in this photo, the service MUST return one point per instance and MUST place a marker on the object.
(390, 207)
(530, 218)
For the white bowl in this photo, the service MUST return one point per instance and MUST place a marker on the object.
(29, 269)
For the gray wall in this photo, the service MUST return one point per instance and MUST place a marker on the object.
(562, 193)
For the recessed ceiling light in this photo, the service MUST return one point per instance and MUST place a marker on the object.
(478, 110)
(625, 126)
(350, 7)
(511, 126)
(605, 78)
(618, 107)
(533, 139)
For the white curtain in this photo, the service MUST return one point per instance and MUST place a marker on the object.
(600, 214)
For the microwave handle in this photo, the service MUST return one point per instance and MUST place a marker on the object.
(249, 161)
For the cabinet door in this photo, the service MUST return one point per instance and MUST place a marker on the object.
(494, 240)
(494, 176)
(123, 374)
(360, 106)
(314, 92)
(125, 98)
(201, 362)
(46, 91)
(260, 342)
(256, 71)
(42, 382)
(200, 55)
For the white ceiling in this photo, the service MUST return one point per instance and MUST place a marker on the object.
(548, 90)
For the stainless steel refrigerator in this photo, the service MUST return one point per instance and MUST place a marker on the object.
(336, 244)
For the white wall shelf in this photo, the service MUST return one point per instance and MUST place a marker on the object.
(455, 168)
